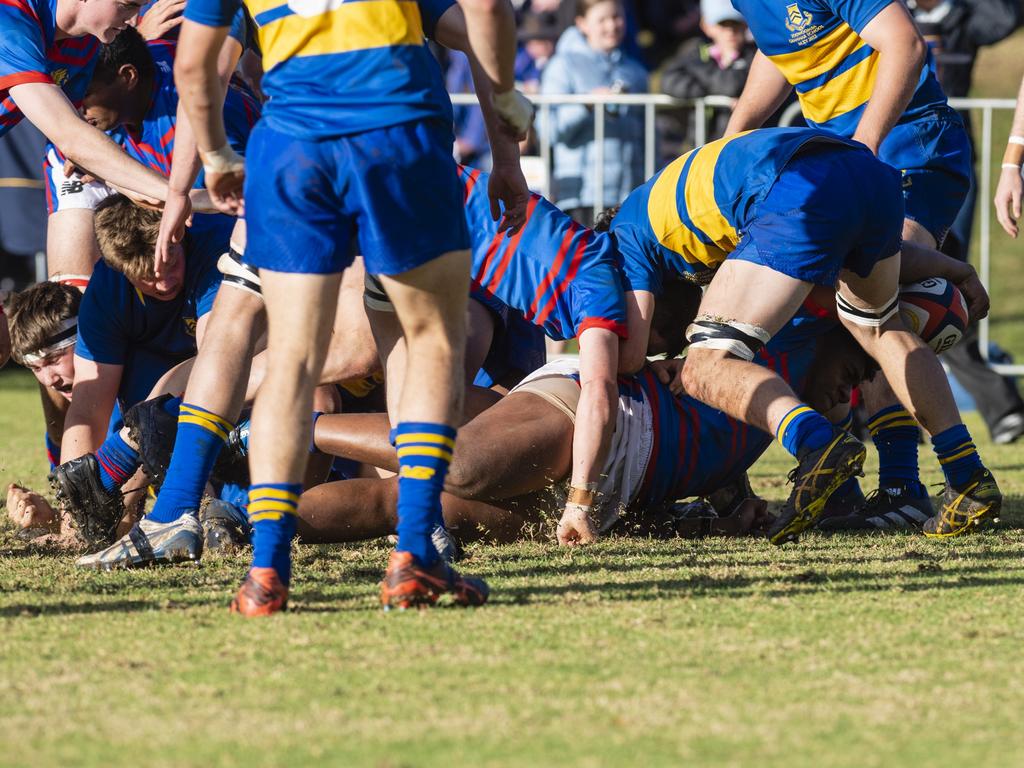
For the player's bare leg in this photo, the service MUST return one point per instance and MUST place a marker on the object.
(430, 304)
(743, 307)
(300, 308)
(916, 377)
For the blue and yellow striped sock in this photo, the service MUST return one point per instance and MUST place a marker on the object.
(895, 434)
(201, 435)
(803, 429)
(117, 460)
(851, 488)
(272, 508)
(424, 453)
(957, 454)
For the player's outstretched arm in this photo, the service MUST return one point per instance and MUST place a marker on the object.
(595, 421)
(506, 184)
(1010, 188)
(185, 166)
(201, 91)
(764, 93)
(901, 53)
(92, 401)
(46, 106)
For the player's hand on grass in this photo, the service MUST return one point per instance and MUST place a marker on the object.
(670, 373)
(160, 19)
(29, 510)
(177, 216)
(507, 186)
(1008, 199)
(576, 527)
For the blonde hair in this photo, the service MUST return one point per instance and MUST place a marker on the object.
(127, 235)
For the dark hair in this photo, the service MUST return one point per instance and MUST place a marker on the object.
(127, 48)
(674, 310)
(603, 223)
(36, 313)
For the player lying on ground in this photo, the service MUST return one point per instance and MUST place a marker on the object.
(770, 214)
(512, 461)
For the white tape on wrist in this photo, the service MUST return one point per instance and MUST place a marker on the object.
(1016, 140)
(515, 109)
(1014, 166)
(223, 160)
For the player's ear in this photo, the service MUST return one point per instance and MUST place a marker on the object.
(129, 75)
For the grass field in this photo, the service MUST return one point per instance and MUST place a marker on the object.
(846, 651)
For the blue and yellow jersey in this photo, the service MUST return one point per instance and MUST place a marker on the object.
(691, 215)
(816, 45)
(118, 325)
(560, 275)
(30, 54)
(337, 67)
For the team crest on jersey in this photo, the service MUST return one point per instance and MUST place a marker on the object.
(797, 20)
(60, 76)
(190, 325)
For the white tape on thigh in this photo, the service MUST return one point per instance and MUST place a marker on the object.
(374, 295)
(871, 317)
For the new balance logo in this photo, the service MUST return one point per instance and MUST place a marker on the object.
(71, 187)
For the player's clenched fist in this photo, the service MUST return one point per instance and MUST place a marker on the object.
(576, 527)
(225, 178)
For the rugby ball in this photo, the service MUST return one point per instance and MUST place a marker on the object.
(935, 310)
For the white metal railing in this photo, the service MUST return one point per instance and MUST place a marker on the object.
(652, 101)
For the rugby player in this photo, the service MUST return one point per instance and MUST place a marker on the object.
(1010, 189)
(513, 460)
(861, 69)
(770, 214)
(562, 277)
(356, 130)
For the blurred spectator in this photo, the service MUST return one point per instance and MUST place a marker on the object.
(954, 31)
(714, 65)
(666, 24)
(589, 59)
(538, 33)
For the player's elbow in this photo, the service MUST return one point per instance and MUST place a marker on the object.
(917, 51)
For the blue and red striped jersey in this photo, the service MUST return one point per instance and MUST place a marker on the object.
(560, 275)
(30, 54)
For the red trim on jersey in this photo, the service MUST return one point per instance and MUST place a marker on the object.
(24, 7)
(20, 78)
(471, 177)
(619, 329)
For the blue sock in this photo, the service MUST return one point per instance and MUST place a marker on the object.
(424, 453)
(852, 486)
(272, 508)
(804, 429)
(201, 435)
(118, 461)
(957, 454)
(52, 451)
(895, 434)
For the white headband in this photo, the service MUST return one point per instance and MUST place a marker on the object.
(64, 337)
